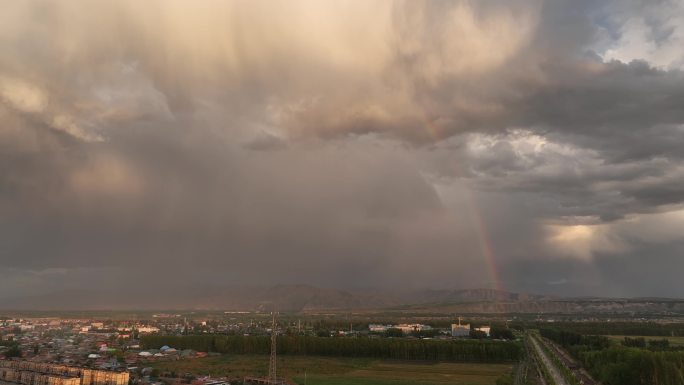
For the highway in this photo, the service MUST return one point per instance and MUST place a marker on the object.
(546, 361)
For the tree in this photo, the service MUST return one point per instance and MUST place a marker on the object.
(662, 344)
(501, 333)
(120, 356)
(396, 348)
(634, 342)
(477, 334)
(13, 351)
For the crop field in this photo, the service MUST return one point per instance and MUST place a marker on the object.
(341, 371)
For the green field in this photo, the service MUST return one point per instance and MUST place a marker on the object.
(342, 371)
(674, 341)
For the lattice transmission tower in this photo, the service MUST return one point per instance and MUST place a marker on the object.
(272, 370)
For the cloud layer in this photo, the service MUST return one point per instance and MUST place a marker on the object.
(343, 144)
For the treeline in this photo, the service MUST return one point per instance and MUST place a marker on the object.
(574, 342)
(640, 342)
(651, 329)
(618, 364)
(394, 348)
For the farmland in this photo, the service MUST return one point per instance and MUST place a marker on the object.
(334, 371)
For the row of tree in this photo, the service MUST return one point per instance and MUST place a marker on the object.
(395, 348)
(640, 342)
(619, 328)
(574, 341)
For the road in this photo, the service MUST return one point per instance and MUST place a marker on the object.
(570, 363)
(546, 360)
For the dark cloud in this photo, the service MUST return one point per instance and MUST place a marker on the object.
(346, 144)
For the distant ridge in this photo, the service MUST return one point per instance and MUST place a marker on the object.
(308, 298)
(482, 294)
(283, 297)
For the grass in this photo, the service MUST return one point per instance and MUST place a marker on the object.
(674, 341)
(343, 371)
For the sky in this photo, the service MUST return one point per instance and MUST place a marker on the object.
(531, 146)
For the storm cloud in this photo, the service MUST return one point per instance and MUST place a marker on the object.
(342, 143)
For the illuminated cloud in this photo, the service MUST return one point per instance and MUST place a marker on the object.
(582, 241)
(23, 96)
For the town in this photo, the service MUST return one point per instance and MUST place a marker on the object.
(258, 347)
(255, 347)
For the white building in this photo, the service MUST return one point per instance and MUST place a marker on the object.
(460, 330)
(376, 328)
(405, 328)
(147, 329)
(409, 328)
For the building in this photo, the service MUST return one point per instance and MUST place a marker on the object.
(484, 329)
(375, 328)
(410, 328)
(460, 330)
(26, 377)
(103, 377)
(38, 373)
(405, 328)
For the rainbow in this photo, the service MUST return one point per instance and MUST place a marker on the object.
(487, 253)
(485, 243)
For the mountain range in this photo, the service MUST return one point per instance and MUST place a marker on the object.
(307, 298)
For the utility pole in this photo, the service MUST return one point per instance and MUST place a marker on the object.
(272, 373)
